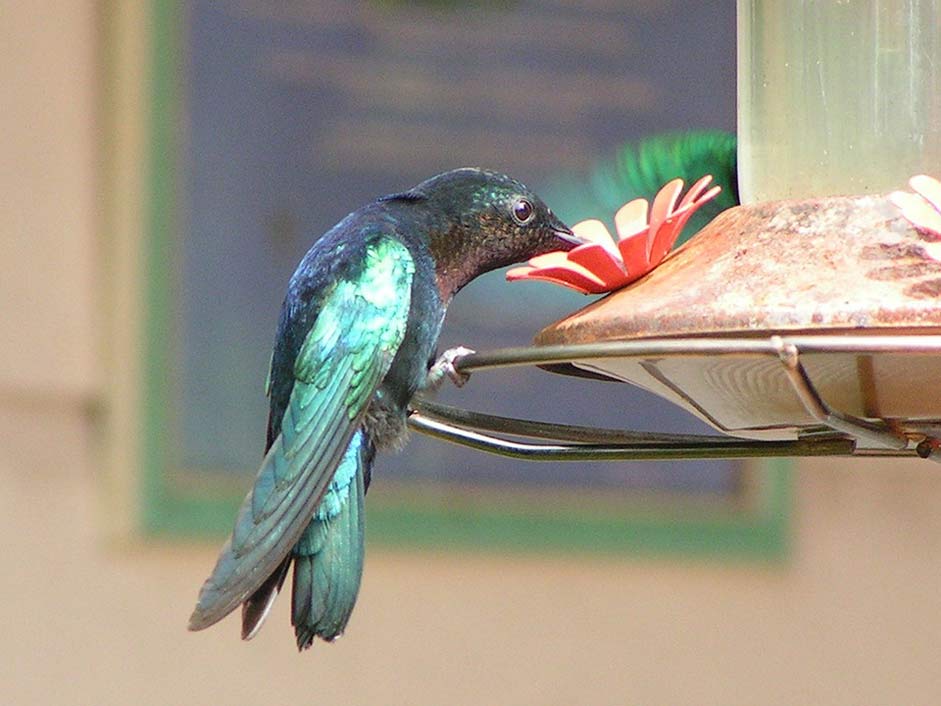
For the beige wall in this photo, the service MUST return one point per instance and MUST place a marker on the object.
(47, 204)
(853, 618)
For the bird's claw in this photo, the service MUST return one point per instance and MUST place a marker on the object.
(445, 366)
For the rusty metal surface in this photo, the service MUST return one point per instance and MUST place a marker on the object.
(816, 266)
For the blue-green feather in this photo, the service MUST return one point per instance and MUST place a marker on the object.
(328, 558)
(358, 330)
(342, 346)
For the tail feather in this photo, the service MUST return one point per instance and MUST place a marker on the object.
(328, 559)
(257, 607)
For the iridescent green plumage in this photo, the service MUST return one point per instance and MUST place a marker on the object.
(328, 558)
(357, 334)
(358, 329)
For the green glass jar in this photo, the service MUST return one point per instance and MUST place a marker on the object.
(837, 96)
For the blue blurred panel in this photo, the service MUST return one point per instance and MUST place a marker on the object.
(298, 112)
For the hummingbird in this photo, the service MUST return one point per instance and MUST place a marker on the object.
(356, 340)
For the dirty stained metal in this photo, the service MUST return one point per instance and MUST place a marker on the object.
(825, 265)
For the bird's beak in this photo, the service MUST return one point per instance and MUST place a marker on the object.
(565, 234)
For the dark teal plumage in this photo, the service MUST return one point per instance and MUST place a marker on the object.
(357, 335)
(328, 558)
(329, 360)
(639, 169)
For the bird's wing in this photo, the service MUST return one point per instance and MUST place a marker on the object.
(344, 357)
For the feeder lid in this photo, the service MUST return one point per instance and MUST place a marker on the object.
(842, 263)
(843, 266)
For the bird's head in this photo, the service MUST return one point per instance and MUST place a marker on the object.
(483, 220)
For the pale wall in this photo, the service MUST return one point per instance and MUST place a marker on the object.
(853, 618)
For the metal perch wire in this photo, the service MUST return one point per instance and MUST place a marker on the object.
(829, 432)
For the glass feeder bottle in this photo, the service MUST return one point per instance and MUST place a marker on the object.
(837, 96)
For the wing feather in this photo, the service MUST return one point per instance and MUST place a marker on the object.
(348, 350)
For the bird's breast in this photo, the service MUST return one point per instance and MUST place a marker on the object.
(386, 416)
(385, 423)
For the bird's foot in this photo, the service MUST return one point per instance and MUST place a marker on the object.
(445, 366)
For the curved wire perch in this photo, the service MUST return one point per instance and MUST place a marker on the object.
(837, 434)
(686, 347)
(646, 448)
(546, 430)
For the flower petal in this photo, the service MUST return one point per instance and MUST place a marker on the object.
(587, 289)
(665, 237)
(556, 258)
(601, 265)
(570, 275)
(918, 211)
(631, 218)
(518, 273)
(663, 206)
(594, 231)
(598, 259)
(696, 189)
(929, 187)
(634, 253)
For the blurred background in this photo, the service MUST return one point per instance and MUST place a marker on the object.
(163, 167)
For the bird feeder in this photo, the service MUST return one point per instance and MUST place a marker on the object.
(806, 321)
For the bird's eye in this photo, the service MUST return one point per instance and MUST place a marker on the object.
(523, 211)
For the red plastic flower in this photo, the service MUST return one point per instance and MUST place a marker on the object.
(602, 264)
(923, 208)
